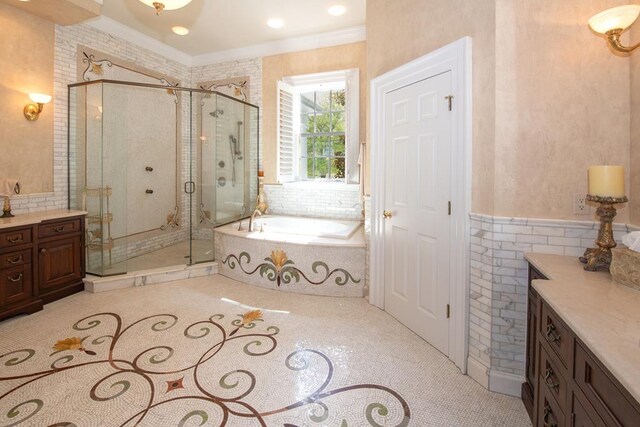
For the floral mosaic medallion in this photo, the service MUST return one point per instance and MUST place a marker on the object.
(280, 269)
(157, 371)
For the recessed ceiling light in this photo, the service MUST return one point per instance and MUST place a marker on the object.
(337, 10)
(275, 23)
(181, 31)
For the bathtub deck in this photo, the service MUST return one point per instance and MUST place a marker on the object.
(293, 263)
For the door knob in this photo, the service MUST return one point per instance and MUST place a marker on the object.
(387, 214)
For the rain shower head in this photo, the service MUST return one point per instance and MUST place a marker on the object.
(217, 112)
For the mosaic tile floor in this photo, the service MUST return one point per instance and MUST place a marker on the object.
(196, 352)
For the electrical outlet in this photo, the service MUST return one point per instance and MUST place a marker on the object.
(580, 204)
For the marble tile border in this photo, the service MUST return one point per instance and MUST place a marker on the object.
(94, 284)
(498, 288)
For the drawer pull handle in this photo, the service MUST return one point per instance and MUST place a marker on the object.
(548, 374)
(148, 191)
(15, 260)
(550, 335)
(547, 413)
(15, 279)
(59, 229)
(16, 239)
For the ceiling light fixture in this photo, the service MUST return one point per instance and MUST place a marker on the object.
(160, 5)
(275, 23)
(181, 31)
(337, 10)
(613, 22)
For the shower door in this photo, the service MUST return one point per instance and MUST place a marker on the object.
(224, 168)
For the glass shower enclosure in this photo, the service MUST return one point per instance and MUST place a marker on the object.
(157, 168)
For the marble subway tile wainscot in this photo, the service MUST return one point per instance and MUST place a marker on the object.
(498, 288)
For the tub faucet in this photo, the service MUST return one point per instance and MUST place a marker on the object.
(253, 215)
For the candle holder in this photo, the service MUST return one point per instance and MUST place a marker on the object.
(595, 258)
(6, 208)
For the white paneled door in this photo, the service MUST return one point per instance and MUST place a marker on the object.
(417, 198)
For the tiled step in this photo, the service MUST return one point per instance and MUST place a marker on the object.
(95, 284)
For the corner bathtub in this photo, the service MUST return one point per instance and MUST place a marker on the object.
(295, 254)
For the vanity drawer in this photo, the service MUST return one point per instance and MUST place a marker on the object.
(549, 412)
(553, 377)
(615, 406)
(555, 333)
(59, 228)
(18, 237)
(14, 259)
(15, 284)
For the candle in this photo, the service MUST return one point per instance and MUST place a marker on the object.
(606, 181)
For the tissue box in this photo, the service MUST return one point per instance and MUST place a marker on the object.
(625, 267)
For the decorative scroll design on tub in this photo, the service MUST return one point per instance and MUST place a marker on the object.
(279, 268)
(160, 367)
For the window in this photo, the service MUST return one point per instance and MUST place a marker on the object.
(318, 126)
(322, 135)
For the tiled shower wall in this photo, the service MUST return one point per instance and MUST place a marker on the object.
(498, 284)
(251, 68)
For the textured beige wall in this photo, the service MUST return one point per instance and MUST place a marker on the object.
(634, 193)
(399, 31)
(26, 61)
(276, 67)
(562, 103)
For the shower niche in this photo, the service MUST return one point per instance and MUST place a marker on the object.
(157, 168)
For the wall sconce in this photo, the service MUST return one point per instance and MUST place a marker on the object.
(32, 111)
(613, 22)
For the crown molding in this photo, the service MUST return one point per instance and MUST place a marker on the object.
(122, 31)
(293, 44)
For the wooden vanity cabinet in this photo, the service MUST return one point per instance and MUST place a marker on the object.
(528, 387)
(61, 258)
(569, 385)
(17, 271)
(40, 263)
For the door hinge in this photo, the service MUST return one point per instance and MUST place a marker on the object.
(450, 99)
(449, 204)
(448, 311)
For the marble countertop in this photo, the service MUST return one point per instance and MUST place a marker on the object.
(602, 313)
(37, 217)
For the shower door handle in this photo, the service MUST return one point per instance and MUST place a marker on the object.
(189, 187)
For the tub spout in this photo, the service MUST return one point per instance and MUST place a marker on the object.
(253, 215)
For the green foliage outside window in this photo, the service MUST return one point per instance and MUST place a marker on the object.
(323, 139)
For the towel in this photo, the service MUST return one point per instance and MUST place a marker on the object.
(632, 241)
(9, 187)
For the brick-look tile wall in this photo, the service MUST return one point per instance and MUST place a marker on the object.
(319, 200)
(498, 282)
